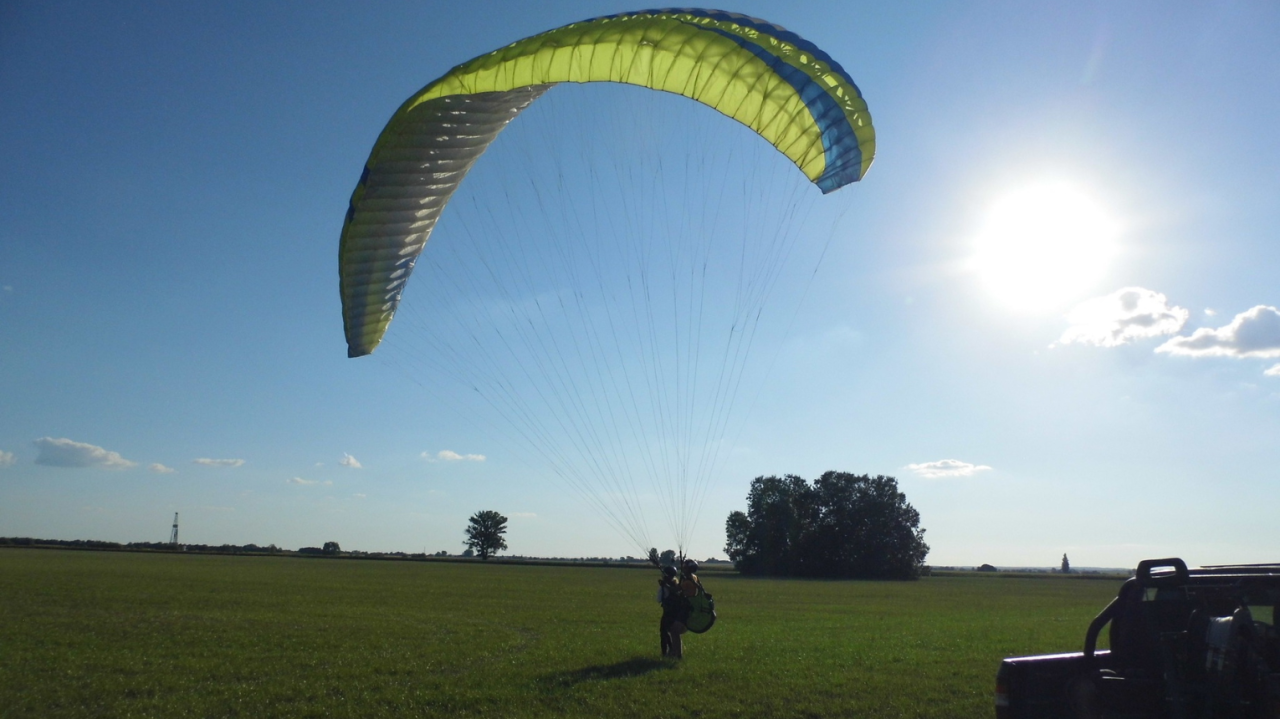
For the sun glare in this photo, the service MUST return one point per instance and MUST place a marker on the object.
(1043, 246)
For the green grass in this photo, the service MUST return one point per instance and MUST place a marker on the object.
(156, 635)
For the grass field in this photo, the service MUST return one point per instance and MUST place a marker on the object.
(156, 635)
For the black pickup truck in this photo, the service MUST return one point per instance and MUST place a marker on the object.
(1185, 644)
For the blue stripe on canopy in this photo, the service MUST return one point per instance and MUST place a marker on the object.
(839, 143)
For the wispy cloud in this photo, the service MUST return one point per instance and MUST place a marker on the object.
(1119, 318)
(67, 453)
(218, 462)
(307, 482)
(1253, 333)
(451, 456)
(349, 461)
(946, 468)
(523, 514)
(359, 495)
(160, 468)
(1273, 372)
(6, 458)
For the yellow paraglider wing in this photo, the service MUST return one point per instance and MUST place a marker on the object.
(781, 86)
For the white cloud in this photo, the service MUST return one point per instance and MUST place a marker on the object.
(8, 288)
(358, 495)
(946, 468)
(1273, 372)
(349, 461)
(1210, 311)
(1123, 316)
(1253, 333)
(6, 458)
(523, 514)
(66, 453)
(218, 462)
(160, 468)
(307, 482)
(451, 456)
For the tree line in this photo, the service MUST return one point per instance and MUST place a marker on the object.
(841, 525)
(151, 546)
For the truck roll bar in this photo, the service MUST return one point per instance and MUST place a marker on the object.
(1179, 576)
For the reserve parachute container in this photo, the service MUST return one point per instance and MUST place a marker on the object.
(702, 611)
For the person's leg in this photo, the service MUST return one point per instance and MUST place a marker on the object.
(664, 627)
(677, 645)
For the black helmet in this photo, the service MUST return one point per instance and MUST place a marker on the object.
(669, 572)
(690, 566)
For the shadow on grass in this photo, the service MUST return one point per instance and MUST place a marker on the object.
(634, 667)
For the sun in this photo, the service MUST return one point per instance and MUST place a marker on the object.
(1043, 246)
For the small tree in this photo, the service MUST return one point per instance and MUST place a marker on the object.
(667, 558)
(1066, 566)
(331, 548)
(484, 533)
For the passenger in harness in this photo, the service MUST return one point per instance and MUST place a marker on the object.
(694, 609)
(672, 606)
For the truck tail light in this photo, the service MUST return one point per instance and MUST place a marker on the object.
(1002, 701)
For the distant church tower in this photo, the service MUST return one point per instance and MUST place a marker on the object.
(173, 536)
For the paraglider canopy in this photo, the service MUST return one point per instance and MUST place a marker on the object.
(784, 88)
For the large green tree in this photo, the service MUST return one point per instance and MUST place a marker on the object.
(840, 525)
(485, 532)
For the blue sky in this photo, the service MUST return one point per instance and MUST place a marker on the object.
(177, 177)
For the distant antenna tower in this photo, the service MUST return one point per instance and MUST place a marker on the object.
(173, 536)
